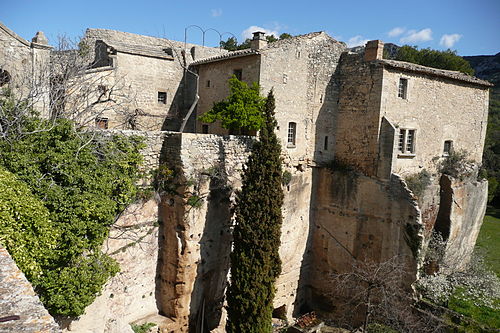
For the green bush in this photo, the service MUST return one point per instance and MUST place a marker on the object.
(419, 182)
(84, 181)
(25, 227)
(456, 165)
(142, 328)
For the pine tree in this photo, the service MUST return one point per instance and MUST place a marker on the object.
(255, 261)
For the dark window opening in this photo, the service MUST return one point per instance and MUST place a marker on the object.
(403, 88)
(162, 97)
(208, 83)
(101, 123)
(448, 147)
(292, 133)
(204, 129)
(238, 73)
(325, 146)
(4, 77)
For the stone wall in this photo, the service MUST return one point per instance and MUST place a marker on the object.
(359, 218)
(27, 65)
(196, 230)
(142, 70)
(357, 128)
(214, 86)
(17, 298)
(300, 71)
(439, 109)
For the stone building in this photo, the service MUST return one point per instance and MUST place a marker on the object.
(353, 126)
(23, 67)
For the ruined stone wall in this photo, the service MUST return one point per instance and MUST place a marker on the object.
(301, 72)
(218, 73)
(438, 109)
(358, 121)
(359, 218)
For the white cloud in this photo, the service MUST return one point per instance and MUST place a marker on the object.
(216, 12)
(247, 33)
(396, 32)
(356, 41)
(414, 36)
(449, 40)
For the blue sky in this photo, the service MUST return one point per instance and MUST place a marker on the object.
(470, 27)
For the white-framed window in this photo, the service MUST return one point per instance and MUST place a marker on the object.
(448, 147)
(403, 88)
(406, 143)
(292, 134)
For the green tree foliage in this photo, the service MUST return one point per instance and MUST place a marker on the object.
(433, 58)
(255, 261)
(84, 181)
(491, 155)
(241, 111)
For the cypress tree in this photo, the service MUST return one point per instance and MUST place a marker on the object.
(255, 261)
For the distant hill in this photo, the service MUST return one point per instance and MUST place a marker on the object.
(487, 67)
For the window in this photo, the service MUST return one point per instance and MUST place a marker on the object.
(238, 73)
(448, 147)
(162, 97)
(325, 145)
(101, 123)
(406, 145)
(208, 83)
(4, 77)
(292, 132)
(204, 129)
(285, 78)
(403, 88)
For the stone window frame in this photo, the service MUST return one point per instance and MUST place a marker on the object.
(407, 142)
(162, 97)
(291, 138)
(403, 88)
(447, 147)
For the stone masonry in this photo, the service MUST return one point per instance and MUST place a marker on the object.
(352, 127)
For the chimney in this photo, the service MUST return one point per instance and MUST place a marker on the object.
(374, 50)
(40, 38)
(259, 41)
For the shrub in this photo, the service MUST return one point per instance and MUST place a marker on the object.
(457, 165)
(142, 328)
(84, 181)
(419, 182)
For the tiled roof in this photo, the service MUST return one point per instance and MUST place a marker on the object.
(143, 50)
(406, 66)
(229, 55)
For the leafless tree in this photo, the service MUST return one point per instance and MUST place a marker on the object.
(378, 293)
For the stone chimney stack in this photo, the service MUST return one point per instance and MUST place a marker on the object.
(259, 41)
(40, 38)
(374, 50)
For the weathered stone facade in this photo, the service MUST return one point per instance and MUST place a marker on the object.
(352, 126)
(24, 65)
